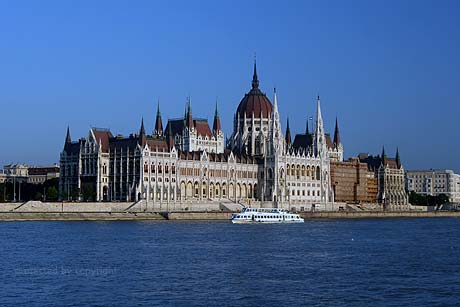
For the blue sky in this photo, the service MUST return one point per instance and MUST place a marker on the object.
(389, 70)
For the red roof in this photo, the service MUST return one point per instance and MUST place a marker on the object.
(202, 128)
(103, 136)
(255, 102)
(157, 144)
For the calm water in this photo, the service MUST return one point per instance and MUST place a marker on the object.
(411, 262)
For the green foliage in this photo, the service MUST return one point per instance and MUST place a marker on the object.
(75, 194)
(52, 193)
(442, 199)
(417, 199)
(88, 191)
(38, 196)
(423, 200)
(29, 191)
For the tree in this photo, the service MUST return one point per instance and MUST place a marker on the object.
(51, 193)
(2, 191)
(427, 200)
(88, 192)
(417, 199)
(38, 196)
(75, 194)
(442, 199)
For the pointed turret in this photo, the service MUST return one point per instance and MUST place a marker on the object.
(319, 116)
(288, 133)
(216, 125)
(142, 130)
(336, 133)
(255, 80)
(142, 136)
(158, 131)
(307, 131)
(188, 114)
(275, 102)
(320, 137)
(68, 140)
(397, 158)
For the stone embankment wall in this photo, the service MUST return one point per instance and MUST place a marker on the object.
(377, 214)
(36, 210)
(79, 216)
(38, 206)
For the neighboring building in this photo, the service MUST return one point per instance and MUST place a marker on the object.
(40, 174)
(29, 174)
(372, 187)
(2, 176)
(187, 161)
(434, 183)
(349, 181)
(16, 170)
(390, 180)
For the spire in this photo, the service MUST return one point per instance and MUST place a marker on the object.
(288, 133)
(216, 125)
(188, 114)
(319, 135)
(307, 131)
(383, 155)
(319, 116)
(336, 133)
(158, 122)
(255, 80)
(142, 130)
(142, 137)
(68, 140)
(398, 159)
(275, 102)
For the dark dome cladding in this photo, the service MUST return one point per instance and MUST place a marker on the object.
(255, 101)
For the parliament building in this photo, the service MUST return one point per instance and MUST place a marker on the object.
(188, 161)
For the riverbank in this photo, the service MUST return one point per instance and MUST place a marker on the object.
(190, 215)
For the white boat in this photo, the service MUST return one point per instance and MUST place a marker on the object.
(265, 215)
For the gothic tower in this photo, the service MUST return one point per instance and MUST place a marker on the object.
(158, 131)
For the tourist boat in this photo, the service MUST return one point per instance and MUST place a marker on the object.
(265, 215)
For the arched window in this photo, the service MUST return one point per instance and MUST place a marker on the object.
(318, 175)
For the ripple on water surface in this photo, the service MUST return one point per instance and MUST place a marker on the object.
(378, 262)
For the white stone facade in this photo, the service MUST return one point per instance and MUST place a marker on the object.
(434, 183)
(188, 162)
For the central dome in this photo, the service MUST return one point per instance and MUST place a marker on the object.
(255, 101)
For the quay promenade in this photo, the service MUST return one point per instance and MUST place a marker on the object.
(110, 211)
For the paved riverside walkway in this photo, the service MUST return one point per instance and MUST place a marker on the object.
(111, 211)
